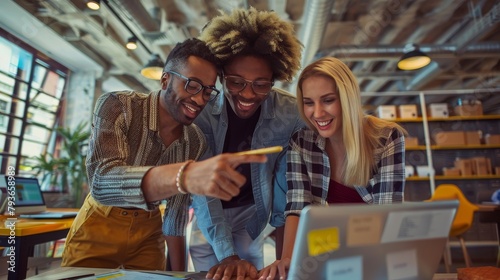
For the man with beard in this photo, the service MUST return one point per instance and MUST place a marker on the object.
(141, 151)
(256, 48)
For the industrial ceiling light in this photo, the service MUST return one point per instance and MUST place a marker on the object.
(154, 68)
(94, 4)
(413, 58)
(132, 43)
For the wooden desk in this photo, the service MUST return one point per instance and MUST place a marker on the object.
(26, 234)
(68, 272)
(490, 213)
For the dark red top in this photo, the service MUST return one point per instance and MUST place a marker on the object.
(338, 193)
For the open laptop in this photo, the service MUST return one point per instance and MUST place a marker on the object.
(30, 203)
(354, 242)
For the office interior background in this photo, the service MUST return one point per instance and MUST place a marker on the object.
(58, 56)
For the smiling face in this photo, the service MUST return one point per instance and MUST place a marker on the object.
(251, 68)
(178, 104)
(322, 106)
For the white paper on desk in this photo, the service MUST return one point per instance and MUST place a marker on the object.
(134, 275)
(411, 225)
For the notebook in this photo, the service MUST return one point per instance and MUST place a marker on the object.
(354, 242)
(30, 203)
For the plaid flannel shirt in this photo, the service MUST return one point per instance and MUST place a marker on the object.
(308, 171)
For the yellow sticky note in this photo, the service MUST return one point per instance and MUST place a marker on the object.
(321, 241)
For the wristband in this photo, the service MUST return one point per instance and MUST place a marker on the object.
(180, 177)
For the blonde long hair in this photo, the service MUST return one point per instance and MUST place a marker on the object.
(361, 132)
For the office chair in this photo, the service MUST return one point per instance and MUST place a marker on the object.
(463, 217)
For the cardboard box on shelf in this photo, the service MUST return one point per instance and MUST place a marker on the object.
(424, 171)
(465, 166)
(473, 137)
(470, 109)
(449, 138)
(409, 171)
(411, 141)
(451, 171)
(407, 111)
(492, 139)
(438, 110)
(480, 166)
(386, 111)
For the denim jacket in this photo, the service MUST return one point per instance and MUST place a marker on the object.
(279, 119)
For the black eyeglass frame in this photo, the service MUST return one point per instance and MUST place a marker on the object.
(246, 83)
(201, 87)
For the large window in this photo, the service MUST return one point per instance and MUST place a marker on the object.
(31, 92)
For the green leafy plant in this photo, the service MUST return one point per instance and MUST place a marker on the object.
(67, 170)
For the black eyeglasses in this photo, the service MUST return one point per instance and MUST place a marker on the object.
(236, 84)
(193, 87)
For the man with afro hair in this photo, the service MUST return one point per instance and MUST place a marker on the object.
(256, 49)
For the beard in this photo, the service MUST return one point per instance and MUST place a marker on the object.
(173, 105)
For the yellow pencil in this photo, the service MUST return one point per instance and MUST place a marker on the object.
(262, 151)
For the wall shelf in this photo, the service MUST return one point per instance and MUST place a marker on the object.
(437, 157)
(416, 148)
(472, 177)
(464, 147)
(441, 177)
(448, 119)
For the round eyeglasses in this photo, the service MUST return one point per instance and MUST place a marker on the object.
(193, 87)
(236, 84)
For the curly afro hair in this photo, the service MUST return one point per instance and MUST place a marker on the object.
(252, 32)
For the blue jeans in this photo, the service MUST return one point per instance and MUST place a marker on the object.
(202, 254)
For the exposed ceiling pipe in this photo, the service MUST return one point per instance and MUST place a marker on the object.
(484, 25)
(139, 14)
(470, 35)
(315, 19)
(424, 76)
(439, 51)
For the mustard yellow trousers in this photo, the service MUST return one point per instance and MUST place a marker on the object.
(112, 237)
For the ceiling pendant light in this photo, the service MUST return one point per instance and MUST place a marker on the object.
(413, 58)
(154, 68)
(132, 43)
(94, 4)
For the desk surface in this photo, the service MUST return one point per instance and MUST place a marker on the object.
(70, 272)
(24, 227)
(67, 272)
(488, 207)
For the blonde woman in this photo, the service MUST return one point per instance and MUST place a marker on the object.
(344, 156)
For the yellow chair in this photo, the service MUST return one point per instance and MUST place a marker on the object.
(463, 217)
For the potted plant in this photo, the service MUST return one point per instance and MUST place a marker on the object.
(67, 170)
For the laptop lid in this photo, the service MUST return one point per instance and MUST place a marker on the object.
(359, 241)
(28, 196)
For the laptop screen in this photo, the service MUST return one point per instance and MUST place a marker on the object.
(28, 196)
(3, 193)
